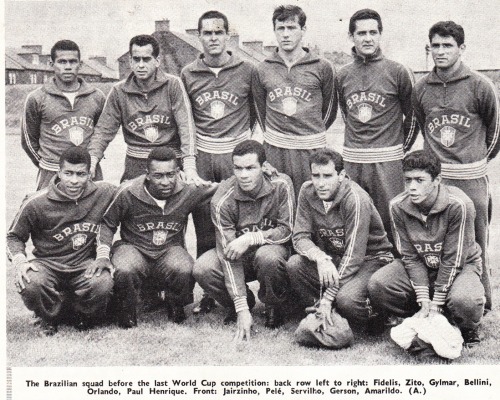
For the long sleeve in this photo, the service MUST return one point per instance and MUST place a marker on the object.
(340, 97)
(30, 129)
(20, 230)
(418, 112)
(330, 102)
(489, 109)
(259, 97)
(111, 220)
(410, 127)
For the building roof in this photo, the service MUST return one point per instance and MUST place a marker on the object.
(12, 54)
(105, 71)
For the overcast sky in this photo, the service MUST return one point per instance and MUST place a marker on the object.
(105, 27)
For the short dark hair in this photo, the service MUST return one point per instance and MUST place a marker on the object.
(250, 147)
(448, 28)
(144, 40)
(423, 160)
(161, 154)
(64, 45)
(75, 155)
(282, 13)
(213, 15)
(365, 13)
(324, 156)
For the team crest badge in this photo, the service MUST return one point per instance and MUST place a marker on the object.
(159, 237)
(79, 240)
(337, 243)
(289, 106)
(448, 135)
(364, 112)
(151, 133)
(217, 109)
(432, 261)
(76, 135)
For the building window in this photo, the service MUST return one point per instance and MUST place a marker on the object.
(12, 78)
(33, 78)
(45, 78)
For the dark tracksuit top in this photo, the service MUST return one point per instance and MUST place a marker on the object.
(222, 103)
(375, 99)
(350, 231)
(295, 106)
(444, 241)
(50, 124)
(144, 224)
(63, 230)
(268, 215)
(160, 117)
(460, 120)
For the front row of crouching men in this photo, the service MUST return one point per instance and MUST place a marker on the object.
(342, 258)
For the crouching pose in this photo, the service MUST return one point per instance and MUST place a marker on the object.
(340, 241)
(253, 215)
(153, 211)
(441, 262)
(63, 220)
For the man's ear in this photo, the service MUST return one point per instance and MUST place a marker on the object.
(342, 175)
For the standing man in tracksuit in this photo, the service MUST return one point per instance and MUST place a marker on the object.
(63, 221)
(375, 100)
(458, 112)
(253, 215)
(152, 108)
(440, 268)
(295, 98)
(153, 211)
(60, 114)
(220, 89)
(340, 241)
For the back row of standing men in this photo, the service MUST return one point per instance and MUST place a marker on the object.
(294, 95)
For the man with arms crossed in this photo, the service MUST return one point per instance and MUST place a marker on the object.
(153, 211)
(441, 261)
(63, 220)
(60, 114)
(340, 241)
(458, 112)
(295, 98)
(253, 216)
(375, 99)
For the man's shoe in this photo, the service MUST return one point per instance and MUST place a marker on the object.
(232, 316)
(47, 328)
(206, 305)
(83, 322)
(127, 320)
(274, 317)
(176, 313)
(471, 338)
(375, 325)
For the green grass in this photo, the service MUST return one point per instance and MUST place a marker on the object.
(156, 341)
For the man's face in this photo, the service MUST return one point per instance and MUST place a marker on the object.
(142, 62)
(73, 179)
(289, 34)
(445, 51)
(213, 36)
(420, 186)
(66, 65)
(326, 180)
(162, 178)
(248, 171)
(366, 37)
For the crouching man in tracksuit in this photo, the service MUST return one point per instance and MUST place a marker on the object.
(253, 216)
(63, 220)
(441, 261)
(153, 211)
(340, 241)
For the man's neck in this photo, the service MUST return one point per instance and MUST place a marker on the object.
(216, 61)
(446, 73)
(145, 85)
(291, 57)
(72, 86)
(426, 206)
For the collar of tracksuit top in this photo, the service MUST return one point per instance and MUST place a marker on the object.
(52, 88)
(358, 58)
(138, 190)
(56, 194)
(265, 189)
(309, 58)
(337, 197)
(201, 66)
(462, 72)
(441, 203)
(131, 86)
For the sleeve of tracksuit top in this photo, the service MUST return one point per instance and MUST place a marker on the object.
(489, 109)
(330, 102)
(30, 128)
(406, 81)
(418, 110)
(20, 230)
(415, 268)
(458, 240)
(259, 96)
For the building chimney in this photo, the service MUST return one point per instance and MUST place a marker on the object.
(255, 45)
(162, 25)
(192, 32)
(31, 49)
(100, 59)
(270, 49)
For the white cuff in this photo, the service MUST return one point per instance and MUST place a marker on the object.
(102, 251)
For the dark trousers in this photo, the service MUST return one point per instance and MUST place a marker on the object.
(352, 298)
(266, 264)
(391, 292)
(53, 289)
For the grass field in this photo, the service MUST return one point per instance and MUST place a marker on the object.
(197, 342)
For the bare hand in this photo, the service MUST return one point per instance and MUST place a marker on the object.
(424, 310)
(328, 274)
(97, 266)
(269, 170)
(191, 176)
(22, 274)
(325, 310)
(237, 248)
(92, 171)
(243, 326)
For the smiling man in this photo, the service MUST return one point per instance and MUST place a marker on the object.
(441, 262)
(295, 97)
(63, 221)
(60, 114)
(340, 241)
(458, 112)
(375, 99)
(153, 211)
(253, 216)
